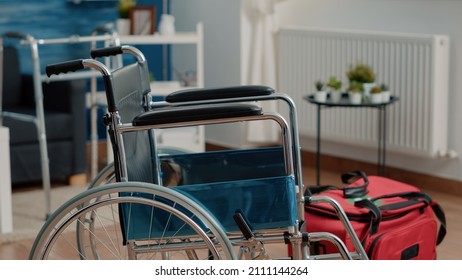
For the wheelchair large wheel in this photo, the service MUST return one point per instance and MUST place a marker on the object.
(172, 226)
(105, 176)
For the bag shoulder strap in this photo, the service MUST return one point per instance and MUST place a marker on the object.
(348, 191)
(376, 214)
(321, 189)
(439, 213)
(437, 209)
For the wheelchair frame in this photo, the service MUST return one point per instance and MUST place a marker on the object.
(190, 105)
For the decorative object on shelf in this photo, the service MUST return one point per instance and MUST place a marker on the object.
(364, 74)
(355, 92)
(376, 95)
(124, 8)
(385, 93)
(123, 22)
(321, 94)
(123, 26)
(142, 20)
(167, 25)
(335, 85)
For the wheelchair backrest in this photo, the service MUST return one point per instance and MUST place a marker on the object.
(131, 92)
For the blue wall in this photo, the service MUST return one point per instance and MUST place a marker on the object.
(49, 19)
(61, 19)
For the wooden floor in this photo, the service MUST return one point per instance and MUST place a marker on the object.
(450, 249)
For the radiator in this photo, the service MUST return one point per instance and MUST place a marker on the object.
(415, 66)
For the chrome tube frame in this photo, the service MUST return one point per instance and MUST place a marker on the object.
(113, 40)
(38, 78)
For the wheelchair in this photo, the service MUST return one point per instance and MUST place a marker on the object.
(148, 204)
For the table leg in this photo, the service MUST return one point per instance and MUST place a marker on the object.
(384, 137)
(318, 147)
(381, 140)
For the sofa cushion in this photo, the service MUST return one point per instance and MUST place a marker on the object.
(27, 162)
(58, 126)
(11, 73)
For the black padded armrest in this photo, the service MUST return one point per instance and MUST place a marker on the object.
(195, 113)
(201, 94)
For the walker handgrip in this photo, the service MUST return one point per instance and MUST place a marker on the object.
(64, 67)
(15, 35)
(103, 29)
(106, 51)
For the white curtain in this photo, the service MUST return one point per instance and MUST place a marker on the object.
(262, 61)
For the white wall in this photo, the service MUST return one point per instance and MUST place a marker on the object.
(225, 58)
(222, 53)
(221, 39)
(410, 16)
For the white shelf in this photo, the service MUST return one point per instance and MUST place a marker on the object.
(157, 39)
(194, 38)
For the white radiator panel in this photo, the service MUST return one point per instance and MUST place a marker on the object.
(415, 66)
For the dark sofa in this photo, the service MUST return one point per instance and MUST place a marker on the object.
(65, 124)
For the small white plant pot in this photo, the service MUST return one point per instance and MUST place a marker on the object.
(367, 89)
(385, 96)
(376, 98)
(355, 98)
(167, 25)
(123, 26)
(320, 96)
(335, 96)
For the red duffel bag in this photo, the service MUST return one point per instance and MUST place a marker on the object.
(393, 220)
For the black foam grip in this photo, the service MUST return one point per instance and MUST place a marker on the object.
(14, 35)
(103, 29)
(243, 225)
(64, 67)
(103, 52)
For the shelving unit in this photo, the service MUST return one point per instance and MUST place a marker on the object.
(189, 138)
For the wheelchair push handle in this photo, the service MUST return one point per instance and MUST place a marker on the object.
(109, 51)
(116, 50)
(64, 67)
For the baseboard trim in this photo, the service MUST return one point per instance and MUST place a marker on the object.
(78, 179)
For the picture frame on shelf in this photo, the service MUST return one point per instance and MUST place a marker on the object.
(143, 20)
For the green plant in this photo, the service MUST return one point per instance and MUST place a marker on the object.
(384, 87)
(124, 8)
(376, 89)
(334, 83)
(355, 87)
(319, 85)
(361, 73)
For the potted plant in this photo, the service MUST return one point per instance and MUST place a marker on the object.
(123, 22)
(376, 95)
(385, 93)
(335, 85)
(364, 74)
(320, 94)
(355, 92)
